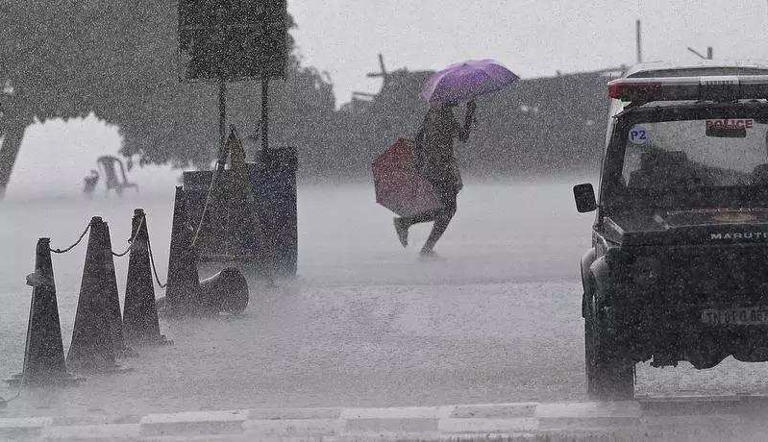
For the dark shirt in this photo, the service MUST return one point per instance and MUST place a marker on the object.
(438, 161)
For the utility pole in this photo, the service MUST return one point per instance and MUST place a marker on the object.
(639, 41)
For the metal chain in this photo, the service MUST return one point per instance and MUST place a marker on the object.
(154, 269)
(132, 240)
(214, 179)
(82, 235)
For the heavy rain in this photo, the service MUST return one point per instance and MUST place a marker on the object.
(339, 220)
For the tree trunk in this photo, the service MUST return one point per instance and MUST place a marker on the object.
(9, 151)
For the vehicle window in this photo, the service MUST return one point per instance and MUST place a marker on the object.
(696, 153)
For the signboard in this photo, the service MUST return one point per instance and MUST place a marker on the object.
(233, 39)
(729, 128)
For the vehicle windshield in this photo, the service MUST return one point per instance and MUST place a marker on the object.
(688, 154)
(707, 152)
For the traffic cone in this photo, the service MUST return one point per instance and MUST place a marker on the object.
(183, 291)
(140, 319)
(44, 352)
(112, 299)
(92, 348)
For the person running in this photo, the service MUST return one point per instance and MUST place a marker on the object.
(436, 162)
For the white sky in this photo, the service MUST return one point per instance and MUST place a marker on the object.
(532, 37)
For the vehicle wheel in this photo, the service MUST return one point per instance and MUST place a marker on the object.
(609, 376)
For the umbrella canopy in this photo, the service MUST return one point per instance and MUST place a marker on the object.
(399, 187)
(466, 81)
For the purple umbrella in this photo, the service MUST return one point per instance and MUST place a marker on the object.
(466, 81)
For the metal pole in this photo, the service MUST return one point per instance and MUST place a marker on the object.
(222, 87)
(639, 42)
(222, 113)
(264, 119)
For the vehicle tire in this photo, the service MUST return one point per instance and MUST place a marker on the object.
(609, 376)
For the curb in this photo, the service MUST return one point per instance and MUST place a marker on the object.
(647, 419)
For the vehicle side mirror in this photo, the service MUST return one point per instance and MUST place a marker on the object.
(585, 198)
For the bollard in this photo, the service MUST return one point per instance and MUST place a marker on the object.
(226, 291)
(140, 310)
(183, 291)
(92, 348)
(112, 301)
(274, 186)
(44, 362)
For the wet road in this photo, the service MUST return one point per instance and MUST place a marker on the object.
(496, 318)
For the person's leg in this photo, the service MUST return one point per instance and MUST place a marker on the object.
(403, 224)
(442, 220)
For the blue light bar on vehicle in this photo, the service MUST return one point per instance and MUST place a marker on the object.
(718, 88)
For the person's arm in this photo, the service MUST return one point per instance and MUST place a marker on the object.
(463, 132)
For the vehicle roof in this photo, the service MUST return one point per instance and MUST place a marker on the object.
(697, 68)
(695, 104)
(673, 109)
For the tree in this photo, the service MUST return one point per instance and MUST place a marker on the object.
(118, 60)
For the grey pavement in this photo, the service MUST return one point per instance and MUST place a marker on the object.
(495, 319)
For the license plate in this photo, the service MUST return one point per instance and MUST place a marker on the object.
(735, 316)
